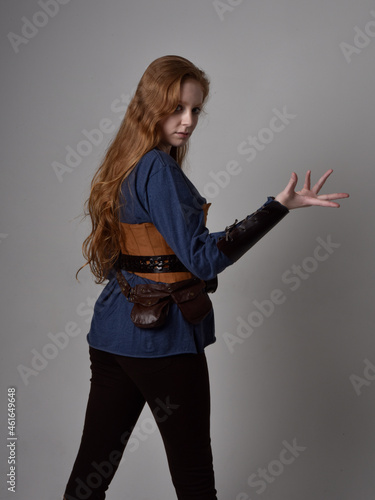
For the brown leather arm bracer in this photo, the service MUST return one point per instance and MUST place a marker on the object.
(241, 236)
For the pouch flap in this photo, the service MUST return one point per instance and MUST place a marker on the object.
(147, 297)
(188, 293)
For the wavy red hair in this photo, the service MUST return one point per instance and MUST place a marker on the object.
(156, 97)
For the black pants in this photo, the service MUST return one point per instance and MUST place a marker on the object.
(176, 388)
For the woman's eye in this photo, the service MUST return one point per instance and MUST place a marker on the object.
(195, 111)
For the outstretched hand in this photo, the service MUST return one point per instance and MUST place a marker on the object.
(308, 196)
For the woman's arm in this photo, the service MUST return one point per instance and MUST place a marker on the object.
(241, 237)
(170, 202)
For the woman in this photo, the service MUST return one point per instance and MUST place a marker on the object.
(154, 319)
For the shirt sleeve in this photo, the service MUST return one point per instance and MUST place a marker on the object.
(175, 208)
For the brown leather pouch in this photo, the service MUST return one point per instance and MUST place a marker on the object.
(193, 302)
(150, 316)
(151, 301)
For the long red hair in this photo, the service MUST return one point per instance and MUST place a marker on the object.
(156, 97)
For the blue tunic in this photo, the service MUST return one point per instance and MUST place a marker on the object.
(159, 192)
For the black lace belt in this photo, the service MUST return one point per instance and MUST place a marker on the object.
(157, 264)
(151, 264)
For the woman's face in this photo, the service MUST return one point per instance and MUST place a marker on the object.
(178, 127)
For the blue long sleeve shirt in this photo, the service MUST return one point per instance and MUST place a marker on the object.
(158, 191)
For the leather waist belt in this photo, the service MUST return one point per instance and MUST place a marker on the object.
(150, 264)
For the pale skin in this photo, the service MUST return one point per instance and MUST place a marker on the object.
(177, 129)
(307, 196)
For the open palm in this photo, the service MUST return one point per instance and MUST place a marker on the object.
(308, 196)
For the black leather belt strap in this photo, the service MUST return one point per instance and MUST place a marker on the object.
(151, 264)
(159, 264)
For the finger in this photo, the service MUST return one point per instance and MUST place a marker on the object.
(318, 186)
(292, 183)
(329, 204)
(318, 202)
(307, 180)
(333, 196)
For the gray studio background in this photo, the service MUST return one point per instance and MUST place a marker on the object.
(293, 368)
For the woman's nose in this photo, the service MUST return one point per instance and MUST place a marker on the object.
(187, 118)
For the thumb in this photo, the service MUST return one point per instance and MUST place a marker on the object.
(292, 183)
